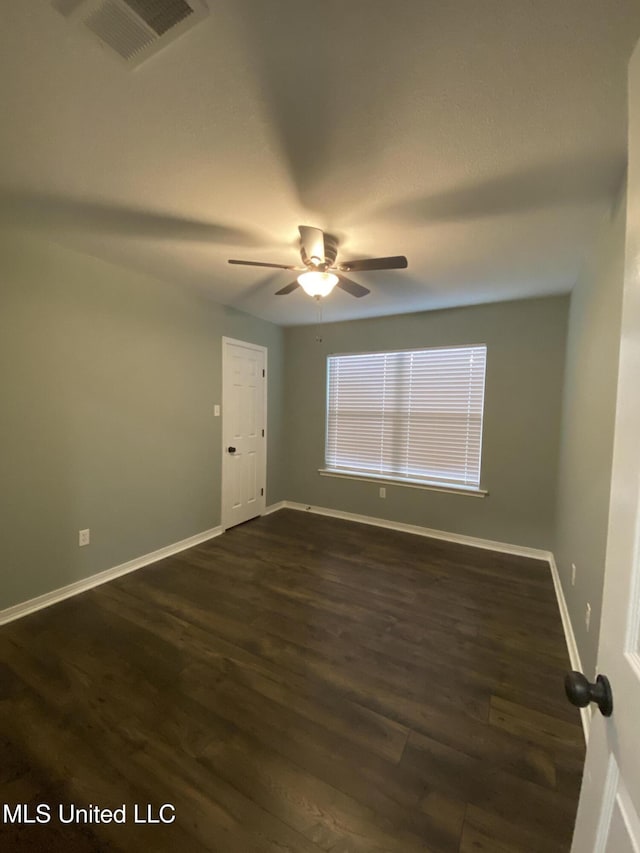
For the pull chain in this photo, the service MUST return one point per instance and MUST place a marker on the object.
(319, 314)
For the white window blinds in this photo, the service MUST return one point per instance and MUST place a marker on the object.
(414, 414)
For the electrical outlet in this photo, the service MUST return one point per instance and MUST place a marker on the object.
(587, 616)
(216, 411)
(84, 537)
(383, 492)
(573, 574)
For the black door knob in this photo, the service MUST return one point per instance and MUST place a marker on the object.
(231, 449)
(580, 692)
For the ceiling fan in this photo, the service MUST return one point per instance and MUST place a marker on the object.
(318, 252)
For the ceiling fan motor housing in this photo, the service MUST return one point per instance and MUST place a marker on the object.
(330, 254)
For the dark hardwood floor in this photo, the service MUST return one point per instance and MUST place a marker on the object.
(299, 684)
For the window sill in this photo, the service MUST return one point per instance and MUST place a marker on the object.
(471, 491)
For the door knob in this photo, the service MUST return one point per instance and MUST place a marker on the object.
(580, 692)
(231, 449)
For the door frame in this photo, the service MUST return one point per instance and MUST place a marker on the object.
(610, 794)
(264, 350)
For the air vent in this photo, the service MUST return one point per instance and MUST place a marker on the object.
(120, 29)
(133, 29)
(161, 15)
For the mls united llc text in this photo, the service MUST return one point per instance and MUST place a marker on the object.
(24, 813)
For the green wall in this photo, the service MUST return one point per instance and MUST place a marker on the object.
(587, 430)
(525, 362)
(108, 381)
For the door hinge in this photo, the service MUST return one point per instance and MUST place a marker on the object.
(263, 433)
(263, 373)
(261, 492)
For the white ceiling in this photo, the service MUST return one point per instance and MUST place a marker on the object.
(484, 140)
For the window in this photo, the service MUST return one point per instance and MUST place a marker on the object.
(414, 415)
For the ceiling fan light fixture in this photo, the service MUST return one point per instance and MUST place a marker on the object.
(317, 283)
(318, 252)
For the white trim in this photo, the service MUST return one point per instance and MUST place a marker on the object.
(410, 484)
(487, 544)
(274, 507)
(572, 646)
(408, 349)
(339, 457)
(17, 611)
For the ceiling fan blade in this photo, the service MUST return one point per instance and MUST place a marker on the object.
(397, 262)
(352, 287)
(260, 264)
(288, 288)
(312, 241)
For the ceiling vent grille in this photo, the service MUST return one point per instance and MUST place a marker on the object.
(161, 15)
(134, 29)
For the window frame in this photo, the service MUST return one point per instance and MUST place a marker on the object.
(408, 482)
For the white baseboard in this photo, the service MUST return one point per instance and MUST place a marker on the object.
(416, 529)
(274, 507)
(56, 595)
(572, 646)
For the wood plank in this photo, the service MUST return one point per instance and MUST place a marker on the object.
(486, 832)
(528, 722)
(492, 789)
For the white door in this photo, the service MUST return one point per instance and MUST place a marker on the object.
(244, 458)
(609, 812)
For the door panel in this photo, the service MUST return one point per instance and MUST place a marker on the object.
(623, 831)
(235, 480)
(620, 840)
(252, 479)
(243, 428)
(607, 820)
